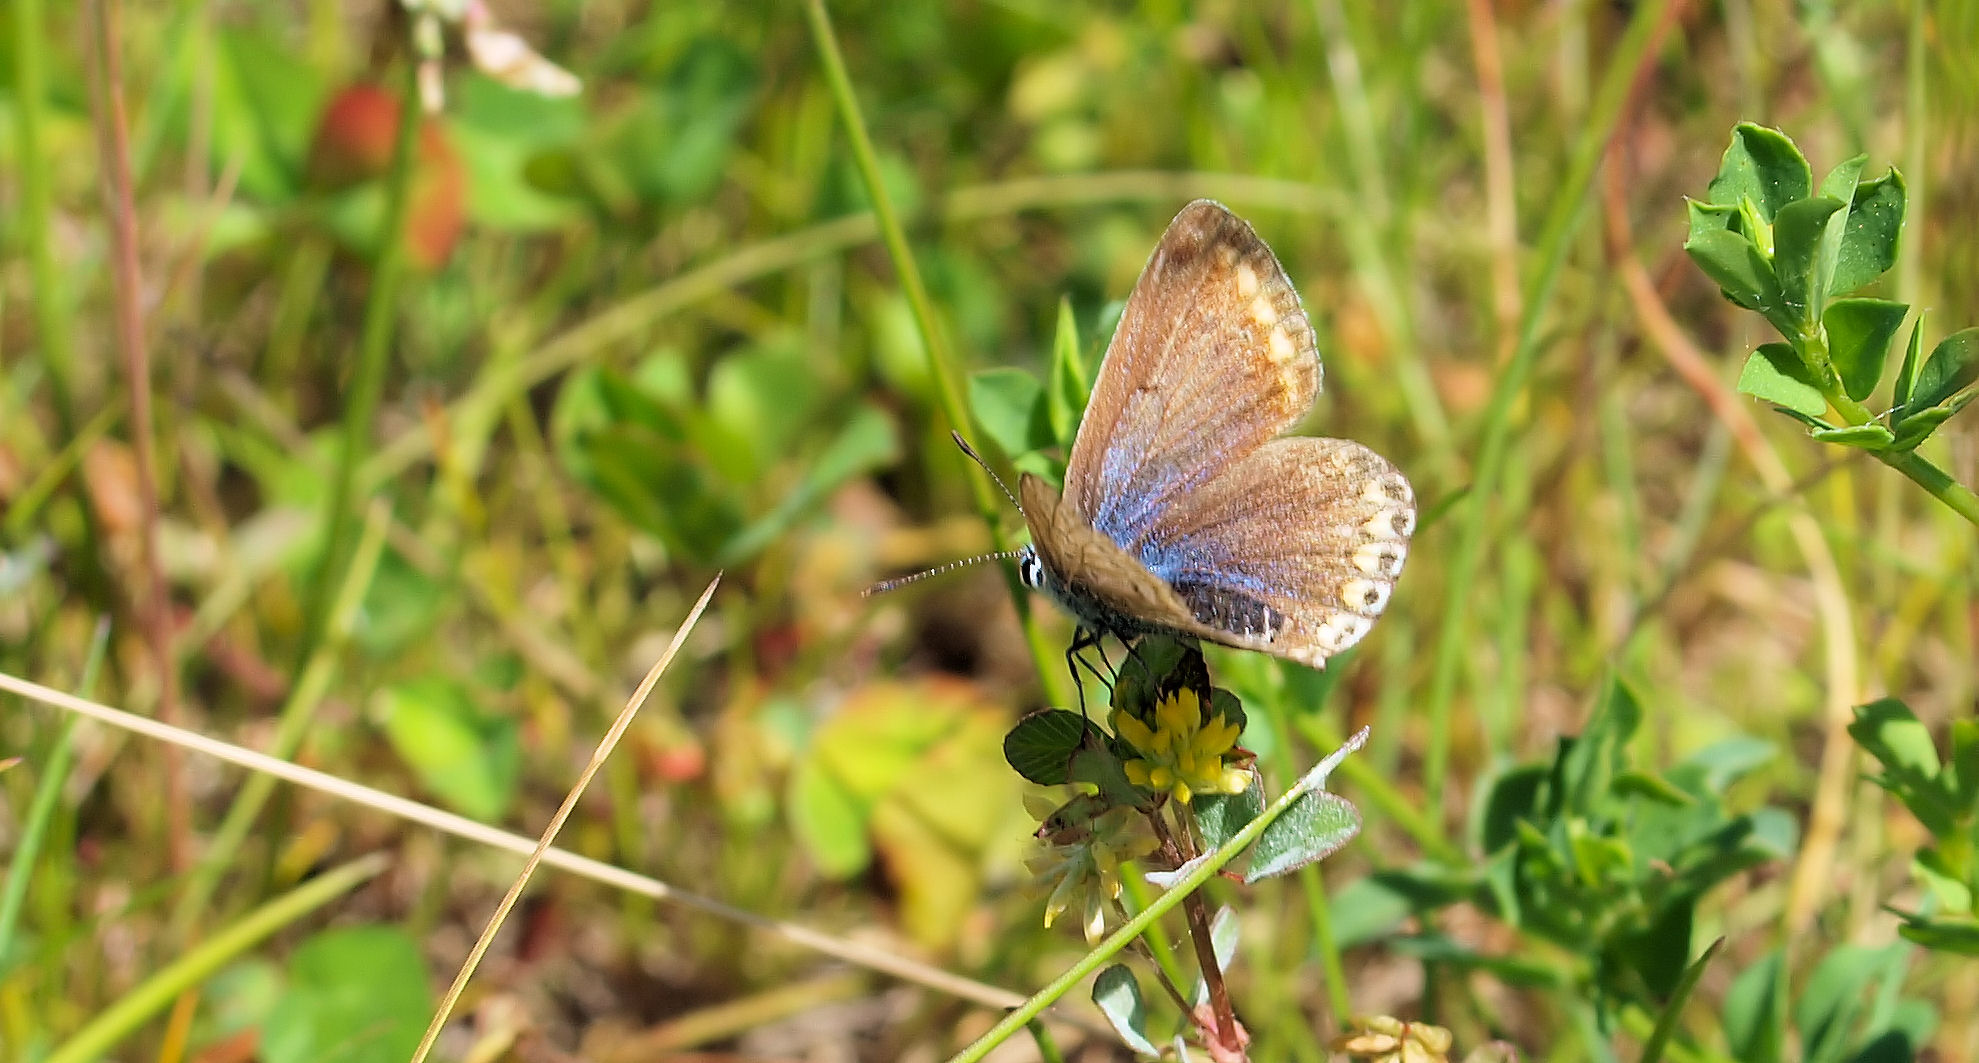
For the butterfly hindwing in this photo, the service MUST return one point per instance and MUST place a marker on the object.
(1292, 550)
(1213, 356)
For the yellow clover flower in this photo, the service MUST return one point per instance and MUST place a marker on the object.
(1182, 753)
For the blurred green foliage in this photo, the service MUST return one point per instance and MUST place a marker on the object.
(649, 331)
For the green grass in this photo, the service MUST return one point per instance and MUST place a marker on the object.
(757, 260)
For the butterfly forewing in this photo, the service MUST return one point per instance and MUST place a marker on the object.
(1213, 356)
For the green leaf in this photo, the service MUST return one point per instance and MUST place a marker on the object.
(1827, 1005)
(1913, 360)
(1952, 368)
(1070, 383)
(830, 819)
(1801, 259)
(1869, 245)
(1740, 272)
(470, 759)
(1666, 1022)
(1775, 373)
(1870, 436)
(1764, 165)
(1754, 1014)
(1009, 404)
(1955, 936)
(1315, 827)
(1948, 887)
(1118, 996)
(1631, 782)
(1366, 910)
(1841, 181)
(356, 995)
(1709, 217)
(1040, 747)
(1859, 335)
(1888, 730)
(1659, 953)
(1221, 816)
(1513, 796)
(662, 489)
(867, 442)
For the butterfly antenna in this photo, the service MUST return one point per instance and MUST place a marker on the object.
(978, 459)
(886, 585)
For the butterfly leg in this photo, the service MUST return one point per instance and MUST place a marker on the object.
(1085, 638)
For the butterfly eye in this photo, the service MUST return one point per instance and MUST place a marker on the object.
(1030, 571)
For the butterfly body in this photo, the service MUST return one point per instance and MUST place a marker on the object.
(1183, 511)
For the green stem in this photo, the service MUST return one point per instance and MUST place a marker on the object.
(1956, 496)
(941, 361)
(291, 727)
(156, 993)
(54, 772)
(50, 315)
(368, 380)
(1555, 240)
(1199, 872)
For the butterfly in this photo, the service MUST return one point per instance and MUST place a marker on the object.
(1186, 511)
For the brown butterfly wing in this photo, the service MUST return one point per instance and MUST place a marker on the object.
(1292, 550)
(1213, 356)
(1090, 574)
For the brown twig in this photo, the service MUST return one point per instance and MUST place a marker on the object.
(152, 600)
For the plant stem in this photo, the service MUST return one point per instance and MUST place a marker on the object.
(54, 772)
(368, 380)
(1958, 497)
(292, 724)
(154, 602)
(51, 316)
(941, 361)
(1189, 883)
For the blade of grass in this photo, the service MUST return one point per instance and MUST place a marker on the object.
(368, 379)
(155, 994)
(459, 826)
(154, 604)
(1635, 48)
(598, 757)
(35, 220)
(291, 726)
(54, 772)
(934, 341)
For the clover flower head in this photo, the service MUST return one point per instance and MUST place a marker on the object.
(1182, 754)
(1079, 860)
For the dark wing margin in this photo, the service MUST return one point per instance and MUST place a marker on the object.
(1213, 356)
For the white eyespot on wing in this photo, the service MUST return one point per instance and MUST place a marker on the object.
(1381, 558)
(1339, 631)
(1365, 596)
(1391, 525)
(1389, 491)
